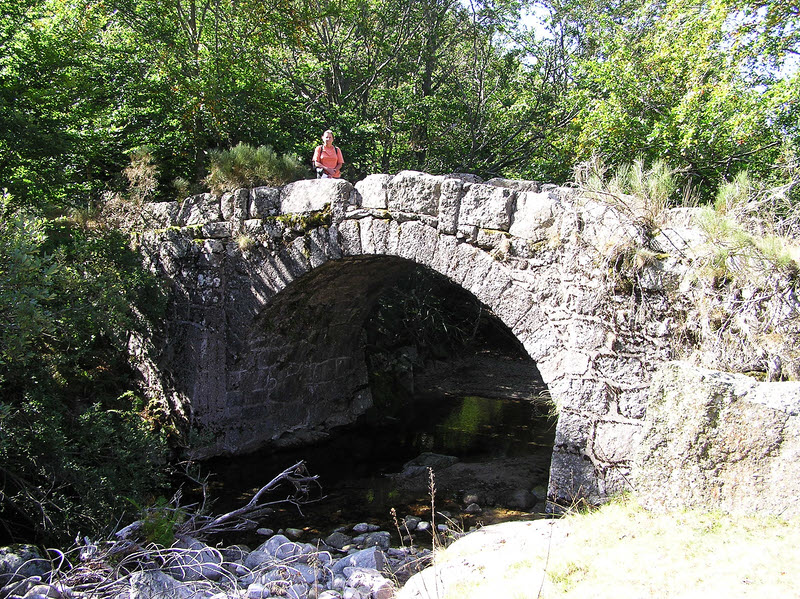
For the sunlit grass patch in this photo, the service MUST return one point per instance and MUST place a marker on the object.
(623, 550)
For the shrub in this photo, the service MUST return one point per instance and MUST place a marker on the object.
(74, 438)
(248, 166)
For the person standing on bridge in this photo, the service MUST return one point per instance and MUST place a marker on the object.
(328, 159)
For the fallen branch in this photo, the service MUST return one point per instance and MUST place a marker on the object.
(244, 518)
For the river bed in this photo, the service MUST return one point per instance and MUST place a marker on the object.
(503, 446)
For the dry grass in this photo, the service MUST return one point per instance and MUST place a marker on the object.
(623, 551)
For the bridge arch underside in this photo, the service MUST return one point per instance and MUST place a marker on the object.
(304, 367)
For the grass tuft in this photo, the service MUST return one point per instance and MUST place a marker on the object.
(248, 166)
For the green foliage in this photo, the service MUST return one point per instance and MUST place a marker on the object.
(159, 521)
(73, 437)
(666, 81)
(26, 279)
(247, 166)
(435, 86)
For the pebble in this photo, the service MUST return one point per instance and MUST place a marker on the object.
(281, 566)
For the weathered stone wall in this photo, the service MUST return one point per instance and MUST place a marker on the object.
(263, 344)
(719, 439)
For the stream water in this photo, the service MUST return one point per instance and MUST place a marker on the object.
(498, 442)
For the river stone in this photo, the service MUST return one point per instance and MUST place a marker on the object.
(369, 581)
(43, 591)
(196, 562)
(473, 508)
(366, 558)
(411, 523)
(280, 547)
(293, 533)
(351, 593)
(154, 584)
(380, 539)
(256, 558)
(426, 460)
(338, 540)
(21, 561)
(365, 527)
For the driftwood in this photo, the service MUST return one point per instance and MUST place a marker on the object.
(193, 520)
(244, 518)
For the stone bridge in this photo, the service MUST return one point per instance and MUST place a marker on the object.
(271, 288)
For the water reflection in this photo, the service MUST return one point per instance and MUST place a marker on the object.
(354, 465)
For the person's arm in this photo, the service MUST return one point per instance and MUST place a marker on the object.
(315, 160)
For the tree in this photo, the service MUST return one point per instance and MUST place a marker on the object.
(670, 80)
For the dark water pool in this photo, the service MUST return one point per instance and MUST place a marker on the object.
(355, 466)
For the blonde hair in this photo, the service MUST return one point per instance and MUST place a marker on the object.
(328, 131)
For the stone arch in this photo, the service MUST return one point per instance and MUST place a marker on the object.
(512, 245)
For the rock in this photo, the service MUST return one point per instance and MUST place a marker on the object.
(234, 205)
(196, 561)
(256, 558)
(265, 532)
(427, 460)
(21, 561)
(160, 214)
(154, 584)
(199, 210)
(487, 207)
(264, 202)
(372, 558)
(423, 526)
(365, 527)
(312, 195)
(281, 548)
(380, 539)
(473, 508)
(373, 191)
(370, 582)
(338, 540)
(470, 497)
(721, 439)
(521, 499)
(293, 533)
(410, 523)
(43, 591)
(414, 192)
(535, 215)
